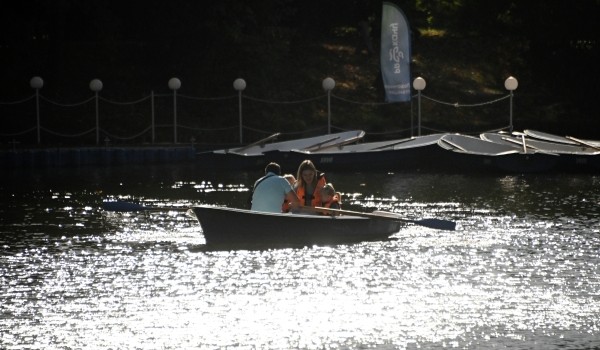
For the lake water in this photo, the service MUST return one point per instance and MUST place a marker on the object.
(522, 270)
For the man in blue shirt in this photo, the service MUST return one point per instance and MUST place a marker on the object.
(271, 190)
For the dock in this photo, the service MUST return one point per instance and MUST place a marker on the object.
(82, 156)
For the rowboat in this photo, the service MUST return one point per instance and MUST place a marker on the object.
(232, 227)
(415, 153)
(252, 156)
(241, 227)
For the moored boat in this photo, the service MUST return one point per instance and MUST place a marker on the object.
(571, 156)
(415, 153)
(561, 139)
(224, 226)
(252, 156)
(469, 153)
(521, 141)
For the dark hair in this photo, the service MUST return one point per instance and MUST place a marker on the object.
(273, 168)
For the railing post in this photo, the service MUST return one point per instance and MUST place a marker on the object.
(419, 84)
(152, 116)
(239, 85)
(37, 83)
(174, 84)
(96, 86)
(328, 85)
(511, 84)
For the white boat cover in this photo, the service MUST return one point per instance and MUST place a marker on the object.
(397, 144)
(301, 144)
(473, 145)
(529, 144)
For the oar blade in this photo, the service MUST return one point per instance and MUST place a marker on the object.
(123, 207)
(438, 224)
(120, 206)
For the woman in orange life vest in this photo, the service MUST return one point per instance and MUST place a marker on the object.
(309, 183)
(330, 199)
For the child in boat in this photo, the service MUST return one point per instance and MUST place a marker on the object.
(291, 179)
(285, 208)
(330, 199)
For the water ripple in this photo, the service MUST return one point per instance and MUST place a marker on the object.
(522, 271)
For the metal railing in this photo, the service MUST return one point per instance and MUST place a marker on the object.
(147, 120)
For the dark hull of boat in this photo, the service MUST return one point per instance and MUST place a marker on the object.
(579, 163)
(239, 228)
(429, 157)
(515, 163)
(230, 161)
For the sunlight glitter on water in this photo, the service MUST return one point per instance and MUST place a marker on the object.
(522, 271)
(297, 298)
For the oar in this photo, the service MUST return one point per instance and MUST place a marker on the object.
(259, 142)
(438, 224)
(583, 142)
(121, 206)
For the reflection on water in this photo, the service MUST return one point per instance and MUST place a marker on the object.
(522, 270)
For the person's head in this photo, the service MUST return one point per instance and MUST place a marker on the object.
(327, 192)
(307, 173)
(291, 179)
(273, 168)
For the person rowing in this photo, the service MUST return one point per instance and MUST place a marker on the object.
(271, 190)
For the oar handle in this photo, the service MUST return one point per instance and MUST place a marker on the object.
(583, 142)
(351, 212)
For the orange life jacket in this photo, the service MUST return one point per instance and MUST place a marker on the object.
(336, 199)
(316, 195)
